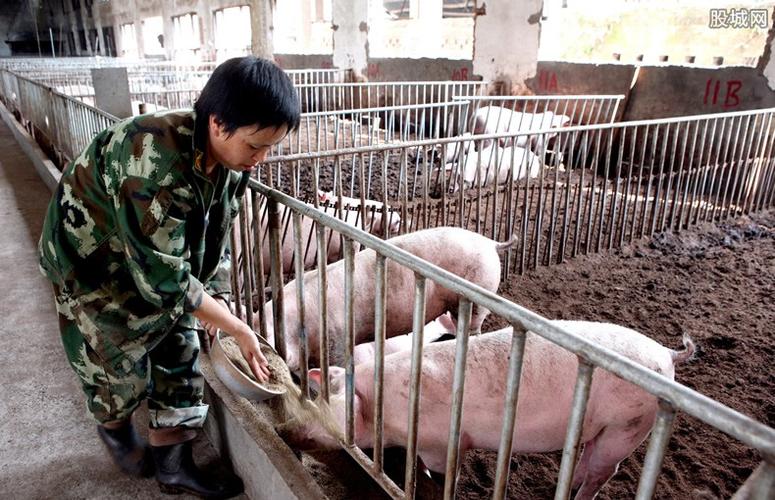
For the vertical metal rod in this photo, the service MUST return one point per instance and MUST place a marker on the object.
(300, 304)
(744, 169)
(660, 179)
(644, 211)
(458, 386)
(674, 208)
(722, 164)
(349, 296)
(604, 191)
(612, 224)
(418, 318)
(575, 425)
(258, 248)
(567, 212)
(762, 196)
(380, 281)
(660, 435)
(686, 200)
(517, 354)
(745, 194)
(247, 275)
(276, 278)
(766, 161)
(235, 288)
(699, 185)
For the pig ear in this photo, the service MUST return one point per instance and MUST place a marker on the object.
(315, 376)
(335, 377)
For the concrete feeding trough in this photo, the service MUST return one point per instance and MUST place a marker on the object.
(235, 379)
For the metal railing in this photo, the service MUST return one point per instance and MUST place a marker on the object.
(334, 96)
(593, 187)
(673, 397)
(63, 123)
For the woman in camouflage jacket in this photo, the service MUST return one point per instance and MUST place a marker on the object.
(134, 243)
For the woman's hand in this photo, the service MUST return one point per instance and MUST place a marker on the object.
(214, 314)
(251, 351)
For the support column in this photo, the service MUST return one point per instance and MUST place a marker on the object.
(262, 27)
(96, 13)
(168, 29)
(506, 37)
(74, 27)
(86, 28)
(205, 13)
(140, 42)
(351, 34)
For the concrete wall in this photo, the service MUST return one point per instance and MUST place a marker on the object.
(659, 91)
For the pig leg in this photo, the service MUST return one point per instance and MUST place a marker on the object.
(602, 454)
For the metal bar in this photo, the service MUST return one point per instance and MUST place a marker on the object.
(300, 304)
(516, 358)
(418, 320)
(575, 425)
(456, 404)
(349, 295)
(380, 295)
(660, 435)
(276, 277)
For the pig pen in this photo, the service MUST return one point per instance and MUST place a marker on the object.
(677, 194)
(705, 282)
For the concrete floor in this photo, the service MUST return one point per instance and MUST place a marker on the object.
(48, 444)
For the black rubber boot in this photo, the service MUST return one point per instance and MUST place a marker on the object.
(129, 451)
(177, 473)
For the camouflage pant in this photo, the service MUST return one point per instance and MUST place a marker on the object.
(167, 374)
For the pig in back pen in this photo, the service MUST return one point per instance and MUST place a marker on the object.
(599, 186)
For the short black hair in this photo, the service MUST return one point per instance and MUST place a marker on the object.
(245, 91)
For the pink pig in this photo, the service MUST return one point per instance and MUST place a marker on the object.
(618, 418)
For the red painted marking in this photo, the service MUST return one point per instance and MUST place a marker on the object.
(731, 97)
(547, 81)
(373, 70)
(460, 74)
(732, 87)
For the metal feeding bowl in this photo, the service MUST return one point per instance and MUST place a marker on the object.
(233, 378)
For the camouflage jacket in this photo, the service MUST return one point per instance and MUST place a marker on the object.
(136, 232)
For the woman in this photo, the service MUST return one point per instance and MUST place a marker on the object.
(134, 243)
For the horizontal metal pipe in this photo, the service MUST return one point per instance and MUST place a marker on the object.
(511, 135)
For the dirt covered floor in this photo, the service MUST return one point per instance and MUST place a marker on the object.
(716, 283)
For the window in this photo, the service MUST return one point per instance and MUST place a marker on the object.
(232, 32)
(188, 38)
(459, 8)
(397, 9)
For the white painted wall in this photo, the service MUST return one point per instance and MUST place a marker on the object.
(351, 33)
(506, 41)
